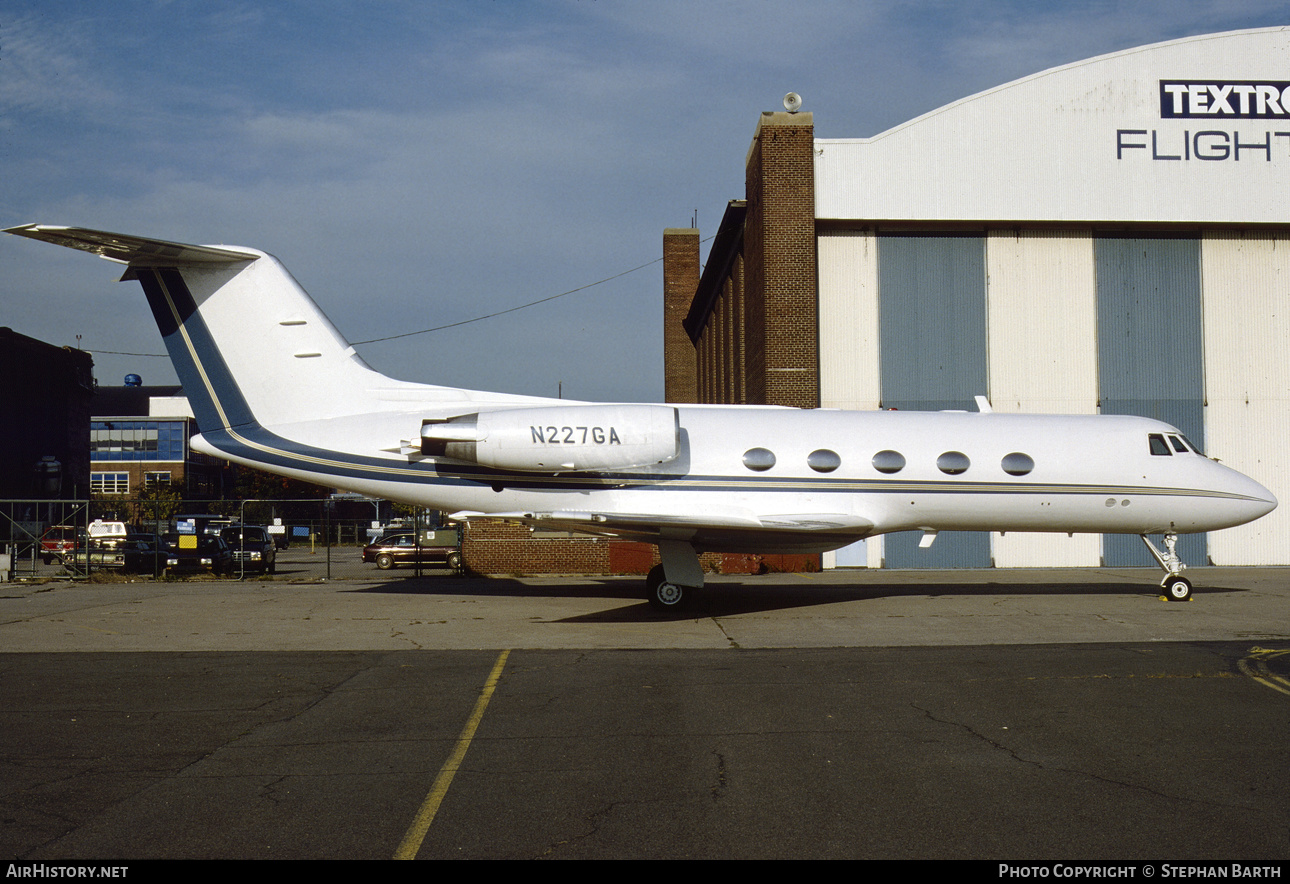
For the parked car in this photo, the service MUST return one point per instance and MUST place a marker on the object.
(56, 542)
(253, 548)
(107, 534)
(281, 536)
(401, 548)
(188, 553)
(135, 554)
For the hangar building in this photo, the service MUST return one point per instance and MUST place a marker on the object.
(1109, 236)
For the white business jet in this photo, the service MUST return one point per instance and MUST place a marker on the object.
(275, 386)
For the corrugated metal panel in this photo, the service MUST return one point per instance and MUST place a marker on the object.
(1014, 550)
(1247, 382)
(1150, 352)
(1042, 309)
(848, 285)
(1150, 322)
(1042, 297)
(932, 340)
(931, 309)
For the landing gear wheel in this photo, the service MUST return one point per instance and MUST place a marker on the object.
(1177, 589)
(662, 594)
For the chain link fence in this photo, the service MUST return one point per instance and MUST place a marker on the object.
(138, 538)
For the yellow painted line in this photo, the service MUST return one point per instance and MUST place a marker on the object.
(1256, 667)
(425, 816)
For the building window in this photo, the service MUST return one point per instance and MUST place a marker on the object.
(152, 480)
(137, 440)
(109, 483)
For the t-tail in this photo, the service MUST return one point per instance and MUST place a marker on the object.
(248, 343)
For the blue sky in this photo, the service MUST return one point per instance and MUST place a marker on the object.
(416, 164)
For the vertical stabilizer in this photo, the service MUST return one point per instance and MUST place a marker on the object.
(248, 343)
(253, 346)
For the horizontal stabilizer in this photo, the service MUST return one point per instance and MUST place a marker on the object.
(134, 250)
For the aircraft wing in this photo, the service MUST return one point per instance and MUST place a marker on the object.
(651, 526)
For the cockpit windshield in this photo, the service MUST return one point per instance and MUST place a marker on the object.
(1162, 445)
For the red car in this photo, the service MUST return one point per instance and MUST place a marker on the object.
(58, 540)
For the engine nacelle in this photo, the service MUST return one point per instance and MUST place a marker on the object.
(559, 438)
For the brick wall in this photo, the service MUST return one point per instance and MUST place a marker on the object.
(755, 322)
(680, 279)
(779, 248)
(498, 548)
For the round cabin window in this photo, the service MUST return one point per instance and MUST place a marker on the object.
(1018, 464)
(953, 463)
(889, 461)
(823, 460)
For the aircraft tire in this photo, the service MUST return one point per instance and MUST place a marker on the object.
(1178, 589)
(663, 595)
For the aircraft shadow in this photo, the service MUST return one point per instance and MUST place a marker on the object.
(755, 594)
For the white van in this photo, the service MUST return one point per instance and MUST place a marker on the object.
(106, 533)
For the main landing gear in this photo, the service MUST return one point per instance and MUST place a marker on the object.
(663, 594)
(1177, 587)
(673, 584)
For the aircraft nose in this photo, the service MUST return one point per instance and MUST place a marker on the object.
(1260, 501)
(1269, 502)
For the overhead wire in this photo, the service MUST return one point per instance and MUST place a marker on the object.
(436, 328)
(509, 309)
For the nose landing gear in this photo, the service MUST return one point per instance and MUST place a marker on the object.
(1177, 587)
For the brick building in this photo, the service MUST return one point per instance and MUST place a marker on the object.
(45, 394)
(139, 439)
(750, 321)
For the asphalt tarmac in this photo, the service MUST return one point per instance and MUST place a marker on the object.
(999, 715)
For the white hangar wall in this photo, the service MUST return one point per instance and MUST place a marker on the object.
(1098, 140)
(1246, 279)
(1047, 175)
